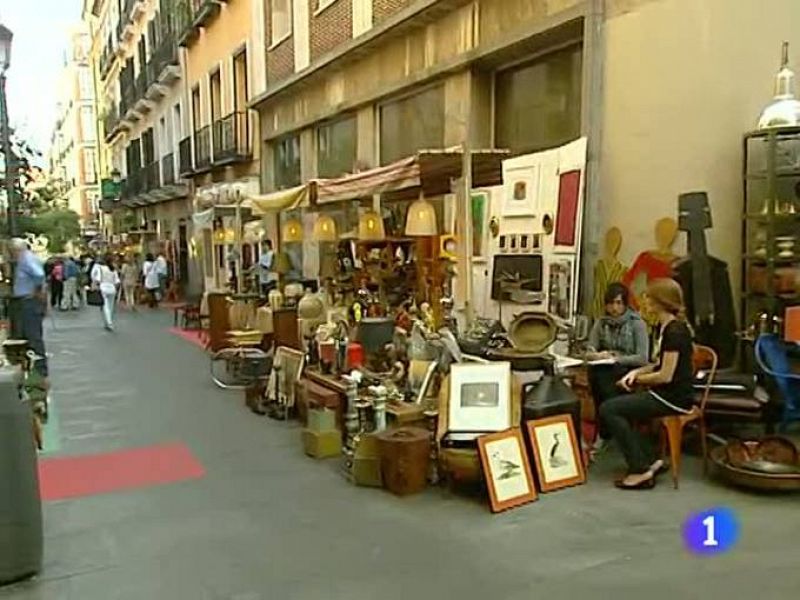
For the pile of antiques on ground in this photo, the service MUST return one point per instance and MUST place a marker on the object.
(421, 319)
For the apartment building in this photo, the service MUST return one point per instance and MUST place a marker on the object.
(662, 89)
(140, 80)
(224, 68)
(73, 148)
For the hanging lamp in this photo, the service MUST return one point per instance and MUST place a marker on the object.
(370, 227)
(421, 218)
(292, 231)
(325, 229)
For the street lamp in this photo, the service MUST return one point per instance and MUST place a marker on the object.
(11, 175)
(6, 36)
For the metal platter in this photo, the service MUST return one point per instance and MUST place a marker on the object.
(752, 479)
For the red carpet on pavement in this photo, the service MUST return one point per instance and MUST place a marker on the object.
(190, 335)
(66, 477)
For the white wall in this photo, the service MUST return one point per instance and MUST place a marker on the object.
(684, 80)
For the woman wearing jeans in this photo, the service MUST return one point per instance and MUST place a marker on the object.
(106, 278)
(656, 390)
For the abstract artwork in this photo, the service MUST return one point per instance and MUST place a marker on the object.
(506, 469)
(556, 453)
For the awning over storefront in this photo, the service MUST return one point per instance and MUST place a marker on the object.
(205, 219)
(429, 171)
(290, 199)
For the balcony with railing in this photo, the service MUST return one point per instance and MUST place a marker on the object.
(111, 123)
(232, 139)
(127, 85)
(185, 162)
(168, 170)
(152, 177)
(107, 57)
(142, 84)
(202, 148)
(191, 15)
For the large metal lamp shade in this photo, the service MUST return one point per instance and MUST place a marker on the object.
(325, 229)
(292, 231)
(370, 227)
(6, 36)
(421, 219)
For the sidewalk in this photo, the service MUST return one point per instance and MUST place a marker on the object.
(265, 522)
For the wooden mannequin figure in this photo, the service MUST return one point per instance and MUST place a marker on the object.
(653, 264)
(607, 270)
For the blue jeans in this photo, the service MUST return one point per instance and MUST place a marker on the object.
(27, 315)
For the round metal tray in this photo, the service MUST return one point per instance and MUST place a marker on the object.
(752, 479)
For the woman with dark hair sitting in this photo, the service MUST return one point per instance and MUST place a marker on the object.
(618, 343)
(655, 390)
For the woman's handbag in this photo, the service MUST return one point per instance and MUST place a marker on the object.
(94, 297)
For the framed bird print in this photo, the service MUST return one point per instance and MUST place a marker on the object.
(556, 453)
(506, 469)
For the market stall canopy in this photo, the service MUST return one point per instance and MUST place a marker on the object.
(429, 171)
(290, 199)
(205, 219)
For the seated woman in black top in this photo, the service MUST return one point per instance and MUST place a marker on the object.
(667, 387)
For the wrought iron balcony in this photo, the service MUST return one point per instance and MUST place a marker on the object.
(107, 57)
(168, 170)
(152, 177)
(186, 165)
(232, 139)
(191, 15)
(111, 123)
(202, 148)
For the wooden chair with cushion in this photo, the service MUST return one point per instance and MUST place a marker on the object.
(704, 358)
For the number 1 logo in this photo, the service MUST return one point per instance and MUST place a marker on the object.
(713, 531)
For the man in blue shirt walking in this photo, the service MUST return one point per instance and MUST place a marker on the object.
(28, 304)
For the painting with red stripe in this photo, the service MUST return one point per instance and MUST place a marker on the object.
(712, 531)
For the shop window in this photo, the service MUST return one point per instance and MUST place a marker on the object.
(412, 123)
(538, 104)
(281, 22)
(287, 162)
(336, 147)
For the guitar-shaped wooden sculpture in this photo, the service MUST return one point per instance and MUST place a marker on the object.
(705, 281)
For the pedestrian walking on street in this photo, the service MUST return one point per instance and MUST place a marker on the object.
(162, 268)
(106, 279)
(72, 299)
(85, 278)
(130, 281)
(151, 281)
(56, 284)
(29, 302)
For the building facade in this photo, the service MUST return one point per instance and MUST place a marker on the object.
(266, 94)
(141, 76)
(662, 89)
(74, 146)
(224, 69)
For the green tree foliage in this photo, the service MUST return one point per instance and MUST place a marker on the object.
(40, 206)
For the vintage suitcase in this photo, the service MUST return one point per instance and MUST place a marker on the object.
(314, 396)
(327, 444)
(405, 456)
